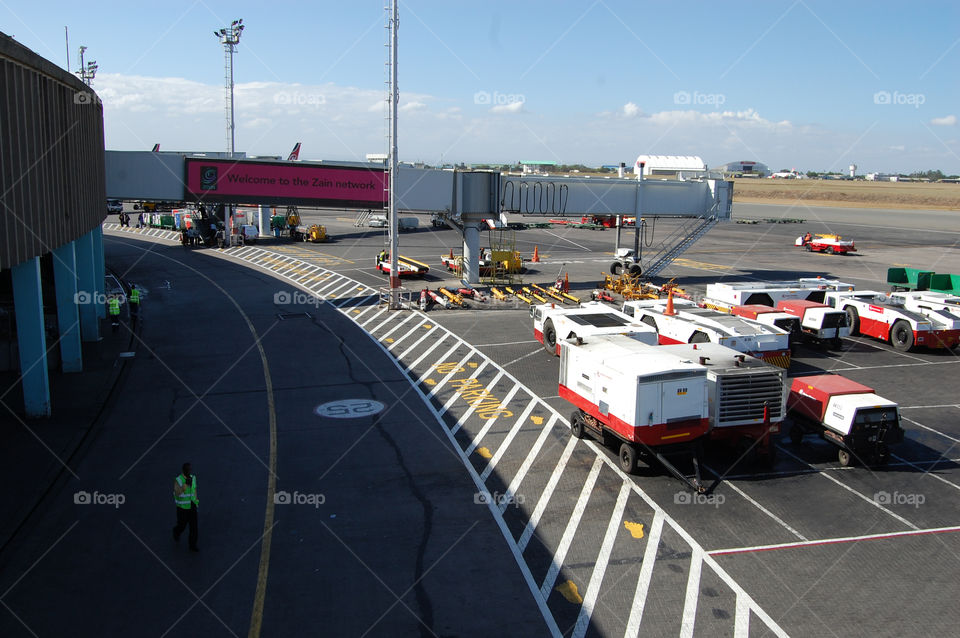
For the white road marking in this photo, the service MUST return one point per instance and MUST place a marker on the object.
(600, 566)
(924, 407)
(832, 541)
(426, 353)
(547, 493)
(741, 621)
(646, 573)
(560, 554)
(927, 427)
(928, 472)
(693, 594)
(395, 328)
(760, 507)
(508, 343)
(422, 338)
(508, 439)
(537, 351)
(852, 491)
(528, 461)
(371, 319)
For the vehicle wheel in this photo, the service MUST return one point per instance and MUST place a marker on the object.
(796, 434)
(628, 458)
(576, 425)
(853, 320)
(550, 337)
(901, 336)
(809, 248)
(635, 270)
(699, 337)
(831, 251)
(616, 268)
(844, 457)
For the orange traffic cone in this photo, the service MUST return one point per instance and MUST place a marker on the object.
(566, 282)
(536, 255)
(451, 253)
(670, 311)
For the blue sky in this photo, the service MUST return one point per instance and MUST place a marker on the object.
(810, 85)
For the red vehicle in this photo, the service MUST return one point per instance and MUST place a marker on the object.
(826, 243)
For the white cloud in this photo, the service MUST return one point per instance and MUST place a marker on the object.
(747, 118)
(631, 110)
(512, 107)
(947, 120)
(413, 106)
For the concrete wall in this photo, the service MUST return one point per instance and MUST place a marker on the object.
(51, 156)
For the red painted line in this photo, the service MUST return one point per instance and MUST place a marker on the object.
(834, 541)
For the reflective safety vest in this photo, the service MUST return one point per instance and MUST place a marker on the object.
(135, 295)
(189, 493)
(114, 304)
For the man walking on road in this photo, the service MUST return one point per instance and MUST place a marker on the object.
(185, 496)
(134, 305)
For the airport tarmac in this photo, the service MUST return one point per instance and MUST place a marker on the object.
(807, 547)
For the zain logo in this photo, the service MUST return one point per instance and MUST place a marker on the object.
(208, 178)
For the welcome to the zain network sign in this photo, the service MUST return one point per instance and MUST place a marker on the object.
(251, 182)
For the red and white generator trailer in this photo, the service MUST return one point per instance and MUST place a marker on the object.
(553, 323)
(876, 314)
(848, 414)
(747, 399)
(725, 295)
(662, 400)
(682, 321)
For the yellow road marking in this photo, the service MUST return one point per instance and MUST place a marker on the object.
(569, 591)
(635, 529)
(537, 420)
(484, 452)
(430, 382)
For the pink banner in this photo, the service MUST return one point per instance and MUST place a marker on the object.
(285, 182)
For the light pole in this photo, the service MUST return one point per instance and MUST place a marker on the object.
(394, 100)
(229, 37)
(89, 71)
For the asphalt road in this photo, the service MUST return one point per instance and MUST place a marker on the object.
(375, 530)
(573, 545)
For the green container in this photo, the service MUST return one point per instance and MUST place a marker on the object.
(909, 278)
(949, 284)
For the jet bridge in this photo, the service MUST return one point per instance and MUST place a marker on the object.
(470, 196)
(700, 203)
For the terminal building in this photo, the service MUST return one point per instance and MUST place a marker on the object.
(52, 190)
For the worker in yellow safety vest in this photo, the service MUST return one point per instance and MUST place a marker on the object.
(113, 305)
(185, 497)
(134, 304)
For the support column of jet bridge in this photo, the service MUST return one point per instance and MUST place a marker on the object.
(476, 197)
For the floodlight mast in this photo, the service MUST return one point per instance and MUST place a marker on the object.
(229, 37)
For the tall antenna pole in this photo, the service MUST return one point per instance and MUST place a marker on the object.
(66, 38)
(394, 100)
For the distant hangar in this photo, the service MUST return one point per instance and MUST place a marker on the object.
(744, 168)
